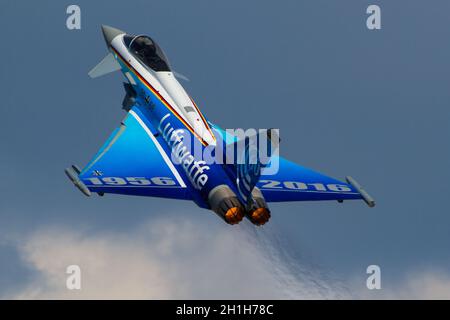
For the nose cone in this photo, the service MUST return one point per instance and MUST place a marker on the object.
(110, 33)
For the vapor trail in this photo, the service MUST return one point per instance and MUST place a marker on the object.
(297, 277)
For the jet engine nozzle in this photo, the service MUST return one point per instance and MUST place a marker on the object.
(259, 216)
(234, 215)
(225, 203)
(260, 213)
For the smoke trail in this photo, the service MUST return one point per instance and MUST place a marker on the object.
(296, 276)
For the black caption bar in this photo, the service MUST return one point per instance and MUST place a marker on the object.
(218, 309)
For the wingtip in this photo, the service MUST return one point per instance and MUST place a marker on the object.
(73, 174)
(366, 197)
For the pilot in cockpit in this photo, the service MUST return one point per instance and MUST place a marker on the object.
(146, 50)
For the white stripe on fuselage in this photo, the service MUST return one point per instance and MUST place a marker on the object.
(160, 149)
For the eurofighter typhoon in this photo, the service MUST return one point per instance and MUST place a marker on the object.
(165, 147)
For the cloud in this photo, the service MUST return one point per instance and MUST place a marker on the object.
(168, 258)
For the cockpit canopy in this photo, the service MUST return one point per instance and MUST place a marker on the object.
(148, 52)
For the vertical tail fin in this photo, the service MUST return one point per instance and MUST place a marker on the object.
(250, 155)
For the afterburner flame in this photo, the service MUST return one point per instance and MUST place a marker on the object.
(234, 215)
(260, 216)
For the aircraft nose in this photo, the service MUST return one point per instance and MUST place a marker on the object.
(110, 33)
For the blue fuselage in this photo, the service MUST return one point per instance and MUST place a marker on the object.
(165, 122)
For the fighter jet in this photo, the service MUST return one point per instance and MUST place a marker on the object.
(160, 146)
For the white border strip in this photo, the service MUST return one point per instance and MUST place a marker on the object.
(160, 149)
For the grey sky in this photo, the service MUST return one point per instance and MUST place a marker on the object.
(348, 101)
